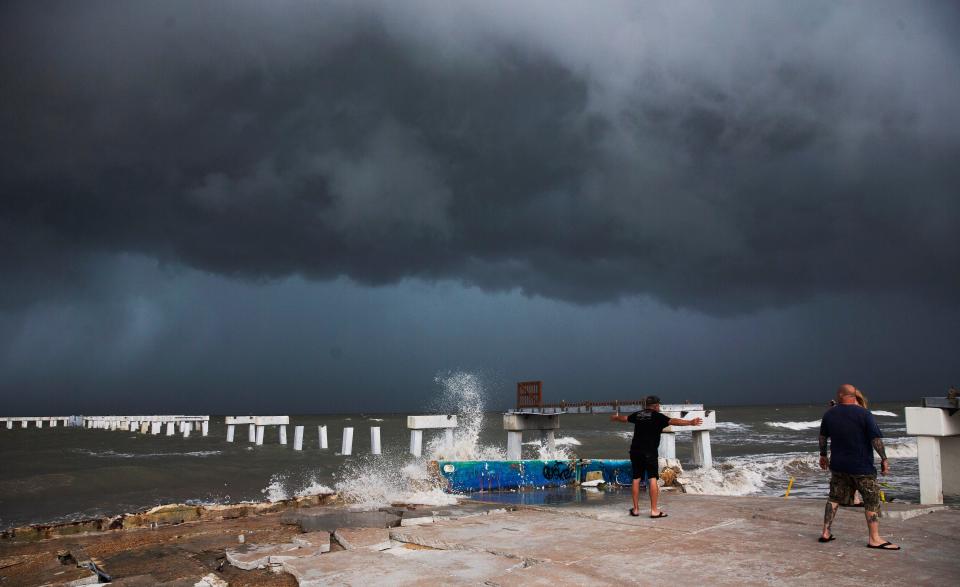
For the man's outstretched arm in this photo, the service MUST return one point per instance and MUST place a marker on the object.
(618, 418)
(682, 422)
(882, 451)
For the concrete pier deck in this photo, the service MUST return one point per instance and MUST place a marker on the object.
(706, 540)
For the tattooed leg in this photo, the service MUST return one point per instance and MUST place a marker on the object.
(829, 513)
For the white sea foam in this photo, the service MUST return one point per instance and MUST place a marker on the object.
(795, 425)
(280, 488)
(902, 448)
(884, 413)
(751, 474)
(733, 426)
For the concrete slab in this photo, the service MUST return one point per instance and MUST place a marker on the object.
(398, 566)
(319, 540)
(363, 538)
(254, 556)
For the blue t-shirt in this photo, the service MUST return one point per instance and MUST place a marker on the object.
(851, 430)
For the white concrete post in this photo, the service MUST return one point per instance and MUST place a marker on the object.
(298, 438)
(186, 431)
(155, 427)
(170, 427)
(514, 443)
(346, 445)
(702, 456)
(375, 440)
(253, 433)
(283, 434)
(448, 437)
(260, 430)
(9, 424)
(322, 430)
(928, 461)
(53, 423)
(39, 423)
(132, 426)
(205, 427)
(668, 445)
(144, 427)
(416, 442)
(230, 429)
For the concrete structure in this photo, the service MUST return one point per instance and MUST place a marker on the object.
(257, 425)
(938, 449)
(417, 424)
(375, 440)
(322, 433)
(298, 438)
(702, 454)
(515, 423)
(38, 421)
(346, 445)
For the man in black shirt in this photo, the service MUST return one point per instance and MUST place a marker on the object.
(648, 424)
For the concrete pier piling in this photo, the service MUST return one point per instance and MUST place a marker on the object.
(204, 427)
(417, 424)
(230, 431)
(298, 438)
(257, 424)
(170, 428)
(516, 423)
(346, 445)
(186, 430)
(322, 432)
(375, 440)
(937, 428)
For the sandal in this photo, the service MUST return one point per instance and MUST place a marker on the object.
(633, 514)
(883, 546)
(662, 515)
(822, 539)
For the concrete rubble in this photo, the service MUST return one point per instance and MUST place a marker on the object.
(588, 540)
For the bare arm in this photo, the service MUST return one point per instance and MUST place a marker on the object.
(884, 463)
(682, 422)
(824, 461)
(618, 418)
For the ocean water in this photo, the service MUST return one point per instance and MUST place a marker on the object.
(61, 474)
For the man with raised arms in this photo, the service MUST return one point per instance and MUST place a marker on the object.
(648, 424)
(854, 435)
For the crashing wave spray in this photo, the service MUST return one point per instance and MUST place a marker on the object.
(397, 477)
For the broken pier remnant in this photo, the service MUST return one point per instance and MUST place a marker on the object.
(417, 424)
(257, 425)
(515, 423)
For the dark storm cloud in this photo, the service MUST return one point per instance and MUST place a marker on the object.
(718, 157)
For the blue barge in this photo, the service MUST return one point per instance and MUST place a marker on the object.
(470, 476)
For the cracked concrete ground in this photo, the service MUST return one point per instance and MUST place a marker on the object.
(705, 540)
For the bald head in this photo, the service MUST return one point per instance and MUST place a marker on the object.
(847, 394)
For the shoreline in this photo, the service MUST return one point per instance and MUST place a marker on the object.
(730, 540)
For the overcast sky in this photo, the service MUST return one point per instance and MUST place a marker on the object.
(320, 206)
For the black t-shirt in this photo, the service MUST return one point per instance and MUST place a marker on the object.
(647, 426)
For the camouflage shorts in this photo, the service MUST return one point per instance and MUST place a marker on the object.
(844, 485)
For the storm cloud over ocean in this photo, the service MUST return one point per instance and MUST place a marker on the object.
(204, 176)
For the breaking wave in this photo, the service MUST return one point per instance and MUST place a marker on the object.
(278, 490)
(750, 475)
(795, 425)
(883, 413)
(902, 448)
(733, 426)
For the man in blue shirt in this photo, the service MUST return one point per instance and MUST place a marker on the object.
(854, 435)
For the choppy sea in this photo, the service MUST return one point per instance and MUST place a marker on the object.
(61, 474)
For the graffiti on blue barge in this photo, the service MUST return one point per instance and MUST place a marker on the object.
(467, 476)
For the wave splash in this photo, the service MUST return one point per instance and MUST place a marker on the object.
(795, 425)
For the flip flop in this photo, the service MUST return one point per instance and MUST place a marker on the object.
(883, 546)
(662, 515)
(822, 539)
(633, 514)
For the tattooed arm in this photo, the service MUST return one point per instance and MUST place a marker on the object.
(824, 461)
(884, 463)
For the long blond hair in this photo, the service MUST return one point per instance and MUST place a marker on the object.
(861, 399)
